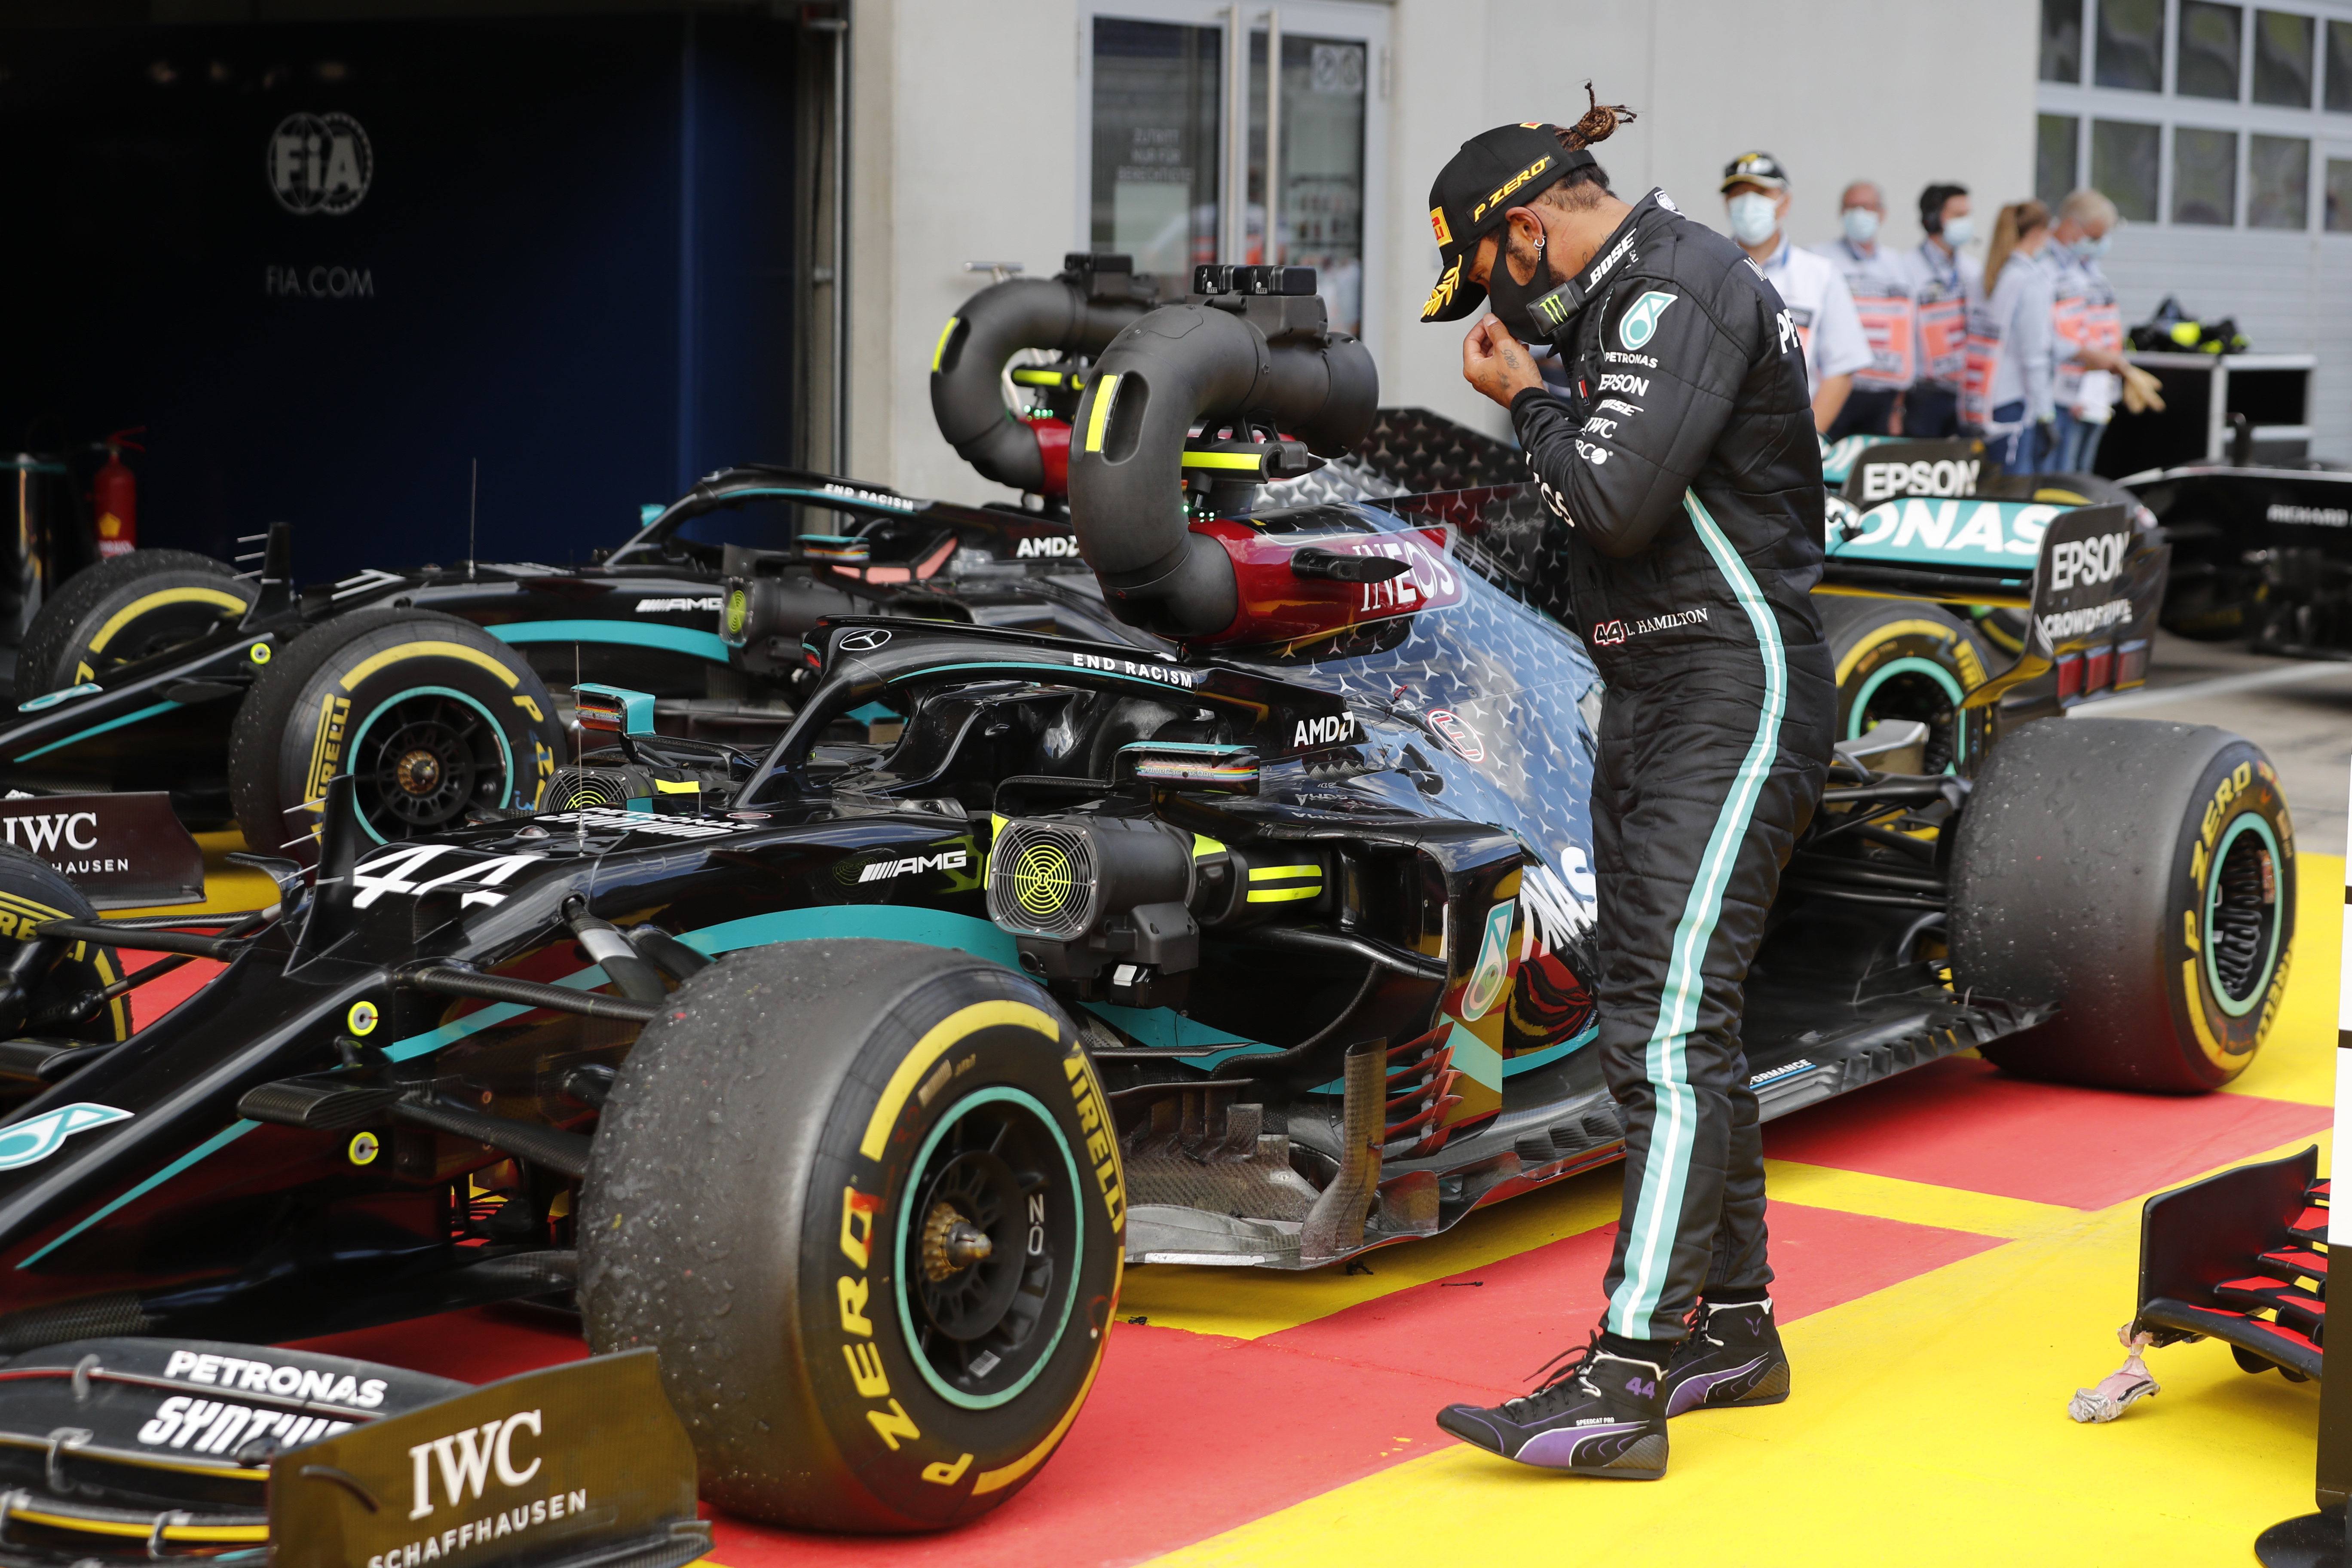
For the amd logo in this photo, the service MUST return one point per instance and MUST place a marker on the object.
(1050, 544)
(1335, 731)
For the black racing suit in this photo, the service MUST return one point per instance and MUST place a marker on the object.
(1686, 486)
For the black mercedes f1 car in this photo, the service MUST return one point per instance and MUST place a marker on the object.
(849, 1076)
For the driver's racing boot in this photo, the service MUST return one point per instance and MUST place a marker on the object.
(1732, 1357)
(1600, 1414)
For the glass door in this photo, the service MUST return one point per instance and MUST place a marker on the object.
(1186, 101)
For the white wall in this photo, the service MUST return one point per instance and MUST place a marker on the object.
(967, 122)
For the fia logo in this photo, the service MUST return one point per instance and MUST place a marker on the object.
(319, 163)
(1639, 322)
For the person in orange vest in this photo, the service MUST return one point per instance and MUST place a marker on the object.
(2092, 371)
(1943, 277)
(1881, 287)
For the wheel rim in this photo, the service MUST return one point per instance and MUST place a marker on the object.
(1912, 687)
(422, 758)
(997, 1163)
(2241, 925)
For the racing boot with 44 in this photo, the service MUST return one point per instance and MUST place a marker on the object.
(1600, 1414)
(1733, 1357)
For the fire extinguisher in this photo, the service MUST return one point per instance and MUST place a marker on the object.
(114, 497)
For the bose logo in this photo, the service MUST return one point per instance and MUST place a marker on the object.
(1608, 261)
(1880, 481)
(467, 1458)
(1050, 544)
(2087, 561)
(1334, 730)
(882, 871)
(2314, 516)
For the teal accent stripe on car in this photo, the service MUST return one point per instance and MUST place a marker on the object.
(669, 639)
(218, 1141)
(99, 730)
(1666, 1172)
(1514, 1066)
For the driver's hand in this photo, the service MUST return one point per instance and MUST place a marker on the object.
(1497, 363)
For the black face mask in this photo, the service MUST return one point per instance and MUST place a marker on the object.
(1507, 296)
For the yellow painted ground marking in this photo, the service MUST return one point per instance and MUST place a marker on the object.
(1913, 1203)
(1931, 1413)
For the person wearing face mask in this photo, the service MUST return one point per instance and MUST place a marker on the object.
(1881, 287)
(1756, 198)
(1683, 486)
(1943, 277)
(2089, 328)
(2006, 390)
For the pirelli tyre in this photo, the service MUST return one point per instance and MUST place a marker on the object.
(434, 717)
(106, 615)
(1900, 659)
(881, 1267)
(2141, 875)
(33, 891)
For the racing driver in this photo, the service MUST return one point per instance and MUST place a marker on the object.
(1685, 484)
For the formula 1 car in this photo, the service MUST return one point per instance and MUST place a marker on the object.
(849, 1076)
(2262, 554)
(431, 685)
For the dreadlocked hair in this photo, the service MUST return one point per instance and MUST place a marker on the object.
(1583, 187)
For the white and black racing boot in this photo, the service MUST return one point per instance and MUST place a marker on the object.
(1733, 1357)
(1600, 1414)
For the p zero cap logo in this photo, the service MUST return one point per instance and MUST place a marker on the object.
(866, 639)
(1437, 226)
(1639, 324)
(319, 163)
(30, 1143)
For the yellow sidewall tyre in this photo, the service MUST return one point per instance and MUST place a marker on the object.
(435, 719)
(787, 1245)
(1900, 659)
(2139, 875)
(120, 611)
(32, 890)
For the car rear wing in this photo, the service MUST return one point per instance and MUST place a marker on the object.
(2097, 583)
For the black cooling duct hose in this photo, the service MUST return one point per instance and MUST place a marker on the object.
(1271, 361)
(967, 397)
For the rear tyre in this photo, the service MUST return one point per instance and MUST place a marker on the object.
(801, 1253)
(1897, 659)
(107, 616)
(31, 891)
(434, 717)
(2141, 875)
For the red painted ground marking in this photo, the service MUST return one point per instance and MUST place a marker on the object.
(166, 991)
(1961, 1123)
(1187, 1434)
(481, 1345)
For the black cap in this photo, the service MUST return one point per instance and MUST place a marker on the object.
(1495, 171)
(1755, 169)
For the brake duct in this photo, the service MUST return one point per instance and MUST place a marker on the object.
(1074, 313)
(1258, 363)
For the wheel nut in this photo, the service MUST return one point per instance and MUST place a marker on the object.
(968, 1245)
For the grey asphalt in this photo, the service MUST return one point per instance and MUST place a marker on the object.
(2299, 712)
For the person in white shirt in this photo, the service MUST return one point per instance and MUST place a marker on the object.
(1943, 276)
(2006, 394)
(1820, 307)
(1881, 286)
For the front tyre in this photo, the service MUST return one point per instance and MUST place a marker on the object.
(880, 1268)
(31, 891)
(434, 718)
(121, 611)
(2140, 874)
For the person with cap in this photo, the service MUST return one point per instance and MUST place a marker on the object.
(1683, 483)
(1756, 196)
(1881, 287)
(2089, 329)
(1943, 276)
